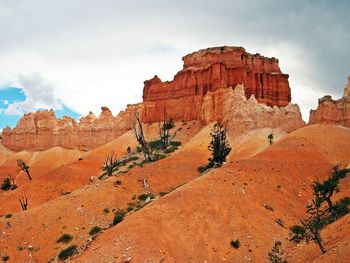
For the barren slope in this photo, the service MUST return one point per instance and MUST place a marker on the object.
(196, 222)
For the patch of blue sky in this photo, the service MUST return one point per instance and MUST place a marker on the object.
(9, 95)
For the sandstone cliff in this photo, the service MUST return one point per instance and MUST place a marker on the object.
(216, 84)
(210, 69)
(42, 130)
(331, 111)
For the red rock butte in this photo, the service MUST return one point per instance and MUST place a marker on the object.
(213, 68)
(216, 84)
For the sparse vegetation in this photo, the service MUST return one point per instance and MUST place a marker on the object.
(95, 230)
(318, 217)
(138, 132)
(235, 243)
(298, 233)
(118, 217)
(9, 183)
(219, 146)
(65, 238)
(68, 252)
(23, 200)
(110, 165)
(106, 210)
(5, 258)
(202, 168)
(325, 190)
(143, 197)
(275, 255)
(8, 216)
(270, 138)
(117, 183)
(164, 131)
(24, 167)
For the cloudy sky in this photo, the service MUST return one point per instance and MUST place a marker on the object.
(78, 55)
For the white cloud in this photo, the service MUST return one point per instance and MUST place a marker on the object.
(38, 93)
(98, 53)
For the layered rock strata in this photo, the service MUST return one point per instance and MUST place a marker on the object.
(216, 84)
(330, 111)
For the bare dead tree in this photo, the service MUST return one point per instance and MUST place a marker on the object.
(138, 132)
(24, 167)
(110, 164)
(164, 130)
(23, 200)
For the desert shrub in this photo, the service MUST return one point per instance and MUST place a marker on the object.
(219, 145)
(80, 159)
(342, 206)
(117, 183)
(158, 156)
(202, 168)
(235, 243)
(68, 252)
(95, 230)
(6, 185)
(118, 217)
(65, 238)
(128, 150)
(5, 258)
(138, 149)
(170, 149)
(127, 160)
(163, 193)
(8, 216)
(143, 197)
(175, 143)
(156, 144)
(106, 210)
(275, 254)
(298, 233)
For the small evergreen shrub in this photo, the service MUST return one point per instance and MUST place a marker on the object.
(119, 216)
(143, 197)
(95, 230)
(65, 238)
(235, 243)
(175, 143)
(6, 185)
(156, 144)
(170, 149)
(68, 252)
(202, 168)
(117, 183)
(298, 232)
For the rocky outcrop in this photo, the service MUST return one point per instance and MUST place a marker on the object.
(42, 130)
(331, 111)
(242, 114)
(216, 84)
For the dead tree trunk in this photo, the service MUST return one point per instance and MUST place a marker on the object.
(23, 200)
(138, 131)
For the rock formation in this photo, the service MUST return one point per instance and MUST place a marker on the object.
(331, 111)
(210, 69)
(242, 114)
(216, 84)
(42, 130)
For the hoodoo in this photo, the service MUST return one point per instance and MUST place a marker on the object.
(331, 111)
(216, 84)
